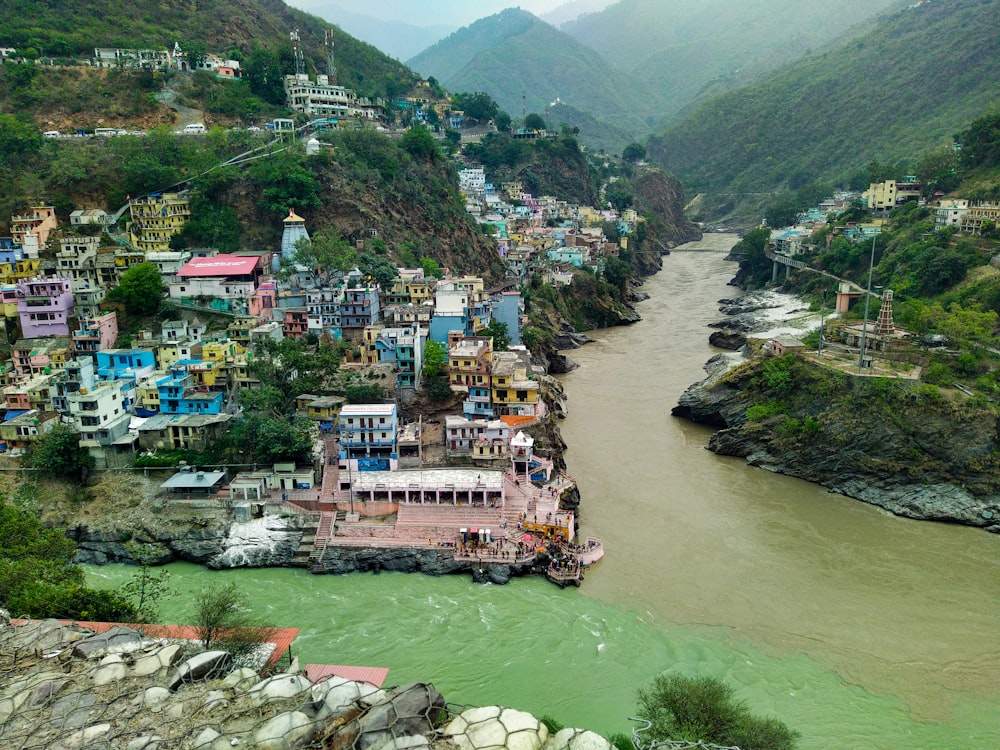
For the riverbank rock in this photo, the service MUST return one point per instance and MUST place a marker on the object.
(732, 340)
(895, 444)
(64, 702)
(270, 541)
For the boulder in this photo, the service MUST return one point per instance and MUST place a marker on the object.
(152, 663)
(109, 673)
(45, 692)
(215, 700)
(241, 679)
(577, 739)
(153, 696)
(496, 727)
(83, 737)
(206, 739)
(409, 710)
(278, 687)
(286, 731)
(72, 710)
(732, 340)
(117, 638)
(146, 742)
(205, 665)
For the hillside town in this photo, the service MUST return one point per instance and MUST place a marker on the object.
(472, 482)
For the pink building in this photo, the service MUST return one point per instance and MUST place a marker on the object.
(95, 334)
(44, 307)
(38, 224)
(264, 300)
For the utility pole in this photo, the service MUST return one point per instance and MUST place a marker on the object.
(300, 63)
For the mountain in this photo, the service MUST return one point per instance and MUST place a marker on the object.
(523, 62)
(685, 49)
(572, 10)
(907, 86)
(73, 30)
(396, 38)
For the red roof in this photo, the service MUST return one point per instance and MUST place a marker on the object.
(220, 265)
(316, 673)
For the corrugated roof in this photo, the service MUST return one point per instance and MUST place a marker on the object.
(372, 675)
(219, 265)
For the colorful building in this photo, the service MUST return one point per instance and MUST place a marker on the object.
(367, 437)
(44, 307)
(155, 219)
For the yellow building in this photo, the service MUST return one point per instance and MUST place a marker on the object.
(222, 351)
(469, 362)
(147, 395)
(239, 330)
(155, 219)
(11, 273)
(513, 391)
(882, 196)
(369, 350)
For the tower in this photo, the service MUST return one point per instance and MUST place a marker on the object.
(331, 67)
(300, 63)
(293, 229)
(884, 326)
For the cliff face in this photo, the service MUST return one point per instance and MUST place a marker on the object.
(660, 195)
(900, 445)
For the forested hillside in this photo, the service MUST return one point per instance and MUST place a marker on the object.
(906, 87)
(522, 61)
(71, 29)
(687, 50)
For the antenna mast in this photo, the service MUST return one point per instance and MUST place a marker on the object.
(331, 67)
(524, 110)
(300, 63)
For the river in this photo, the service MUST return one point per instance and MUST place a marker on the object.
(856, 628)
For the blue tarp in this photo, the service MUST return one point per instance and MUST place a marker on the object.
(11, 413)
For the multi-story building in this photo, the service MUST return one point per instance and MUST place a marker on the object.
(119, 364)
(95, 334)
(146, 59)
(178, 395)
(44, 307)
(469, 362)
(194, 432)
(367, 437)
(223, 276)
(155, 219)
(100, 414)
(949, 213)
(514, 392)
(296, 323)
(508, 308)
(323, 308)
(400, 347)
(24, 429)
(77, 374)
(76, 259)
(358, 310)
(883, 196)
(31, 231)
(479, 438)
(978, 214)
(410, 289)
(40, 356)
(169, 263)
(322, 99)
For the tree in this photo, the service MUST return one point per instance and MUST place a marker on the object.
(145, 588)
(634, 152)
(431, 268)
(380, 269)
(58, 453)
(265, 72)
(196, 52)
(703, 709)
(781, 214)
(326, 251)
(224, 621)
(479, 106)
(620, 194)
(534, 121)
(500, 334)
(285, 182)
(139, 290)
(435, 359)
(502, 121)
(981, 142)
(18, 140)
(265, 439)
(419, 143)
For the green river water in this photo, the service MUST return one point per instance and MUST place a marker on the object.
(858, 629)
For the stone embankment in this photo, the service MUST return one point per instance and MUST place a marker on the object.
(67, 689)
(928, 459)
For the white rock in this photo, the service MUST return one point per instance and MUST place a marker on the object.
(176, 710)
(279, 686)
(409, 742)
(157, 660)
(154, 696)
(205, 739)
(83, 737)
(215, 699)
(241, 679)
(495, 727)
(577, 739)
(112, 659)
(285, 731)
(147, 742)
(339, 698)
(110, 673)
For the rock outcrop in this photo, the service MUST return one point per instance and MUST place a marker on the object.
(147, 694)
(895, 444)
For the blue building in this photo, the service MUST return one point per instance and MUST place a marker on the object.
(507, 309)
(178, 396)
(116, 364)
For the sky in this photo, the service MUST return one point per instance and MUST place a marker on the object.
(452, 13)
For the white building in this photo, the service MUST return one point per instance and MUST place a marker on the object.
(99, 413)
(950, 212)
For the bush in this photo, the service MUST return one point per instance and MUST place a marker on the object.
(703, 709)
(223, 621)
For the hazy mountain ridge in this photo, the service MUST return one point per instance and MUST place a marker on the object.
(907, 86)
(522, 61)
(683, 49)
(397, 39)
